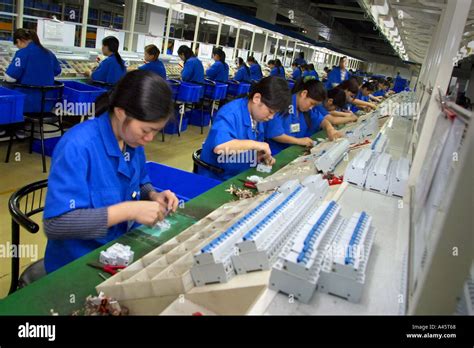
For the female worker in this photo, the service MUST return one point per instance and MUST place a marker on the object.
(235, 141)
(32, 65)
(193, 71)
(295, 126)
(276, 69)
(112, 68)
(255, 69)
(336, 100)
(98, 186)
(243, 72)
(338, 74)
(362, 98)
(219, 70)
(296, 74)
(152, 53)
(312, 71)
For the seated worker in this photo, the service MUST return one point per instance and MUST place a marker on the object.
(152, 53)
(235, 141)
(193, 71)
(300, 60)
(338, 74)
(296, 125)
(361, 100)
(255, 69)
(276, 69)
(380, 92)
(219, 71)
(243, 72)
(112, 68)
(98, 187)
(296, 74)
(336, 100)
(311, 72)
(32, 65)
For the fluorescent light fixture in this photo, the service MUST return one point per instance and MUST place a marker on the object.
(389, 23)
(210, 22)
(381, 6)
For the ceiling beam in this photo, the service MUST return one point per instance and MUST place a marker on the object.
(348, 15)
(340, 7)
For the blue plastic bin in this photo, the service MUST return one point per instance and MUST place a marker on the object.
(185, 185)
(173, 125)
(174, 85)
(49, 145)
(11, 106)
(215, 91)
(236, 89)
(78, 92)
(198, 119)
(189, 92)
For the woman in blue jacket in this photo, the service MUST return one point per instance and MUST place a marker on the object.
(296, 74)
(296, 125)
(235, 141)
(219, 71)
(255, 69)
(98, 188)
(338, 74)
(152, 53)
(243, 72)
(276, 69)
(32, 65)
(112, 68)
(193, 71)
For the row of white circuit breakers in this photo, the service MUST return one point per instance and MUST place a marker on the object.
(375, 170)
(292, 220)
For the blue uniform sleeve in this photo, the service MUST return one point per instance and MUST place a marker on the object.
(274, 127)
(17, 65)
(332, 78)
(67, 186)
(222, 130)
(100, 74)
(187, 71)
(239, 75)
(162, 70)
(144, 178)
(57, 66)
(213, 71)
(317, 116)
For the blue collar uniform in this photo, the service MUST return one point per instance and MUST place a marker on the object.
(256, 72)
(318, 113)
(300, 61)
(218, 72)
(34, 66)
(193, 71)
(242, 75)
(296, 74)
(89, 170)
(359, 96)
(232, 122)
(109, 71)
(334, 77)
(278, 71)
(293, 124)
(156, 66)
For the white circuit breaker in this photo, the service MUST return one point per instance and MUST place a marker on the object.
(328, 161)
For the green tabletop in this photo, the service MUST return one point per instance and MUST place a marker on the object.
(65, 290)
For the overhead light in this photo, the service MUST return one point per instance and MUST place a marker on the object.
(381, 7)
(210, 22)
(389, 23)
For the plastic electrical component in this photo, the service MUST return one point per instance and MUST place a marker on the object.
(343, 271)
(117, 255)
(358, 169)
(380, 143)
(356, 135)
(297, 270)
(263, 168)
(398, 177)
(258, 249)
(328, 161)
(214, 264)
(379, 175)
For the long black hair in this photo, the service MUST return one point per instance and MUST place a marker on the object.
(218, 51)
(186, 51)
(370, 86)
(242, 63)
(27, 34)
(338, 97)
(143, 95)
(112, 43)
(275, 93)
(279, 65)
(351, 85)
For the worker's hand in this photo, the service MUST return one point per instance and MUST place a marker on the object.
(269, 161)
(263, 149)
(307, 142)
(97, 59)
(148, 212)
(167, 199)
(353, 118)
(334, 134)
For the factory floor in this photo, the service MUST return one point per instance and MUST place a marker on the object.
(175, 152)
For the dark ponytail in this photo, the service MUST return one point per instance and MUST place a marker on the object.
(143, 95)
(186, 51)
(278, 65)
(242, 63)
(27, 34)
(315, 88)
(338, 97)
(218, 51)
(275, 93)
(113, 45)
